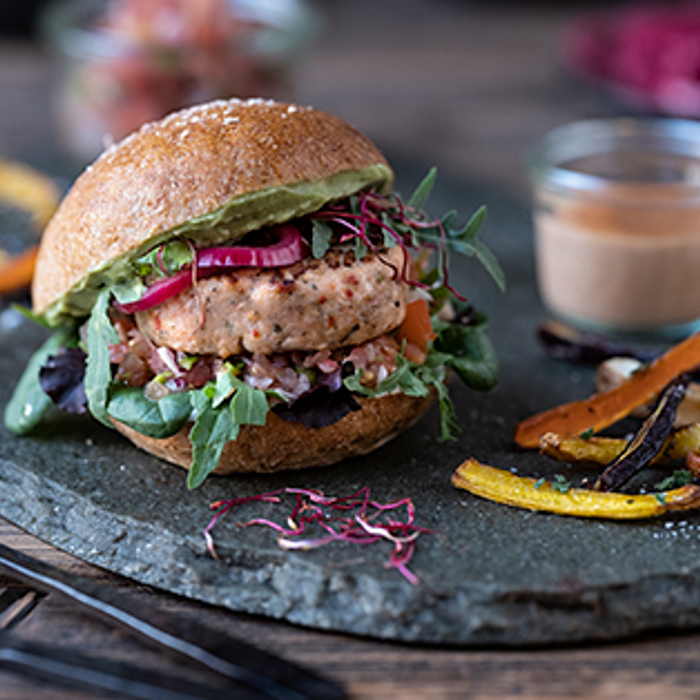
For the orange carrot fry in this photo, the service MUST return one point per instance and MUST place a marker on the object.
(602, 410)
(17, 271)
(692, 463)
(417, 327)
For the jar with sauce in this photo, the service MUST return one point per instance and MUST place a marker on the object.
(617, 225)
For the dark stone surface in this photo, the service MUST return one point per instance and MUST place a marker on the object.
(494, 575)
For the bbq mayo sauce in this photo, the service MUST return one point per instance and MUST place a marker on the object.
(617, 231)
(632, 263)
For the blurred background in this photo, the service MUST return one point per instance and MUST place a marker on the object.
(471, 87)
(468, 85)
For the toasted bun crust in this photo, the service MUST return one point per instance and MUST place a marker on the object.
(183, 167)
(280, 445)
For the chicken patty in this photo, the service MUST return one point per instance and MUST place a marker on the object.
(312, 305)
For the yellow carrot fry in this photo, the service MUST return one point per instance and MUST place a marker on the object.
(682, 441)
(29, 190)
(593, 450)
(603, 450)
(503, 486)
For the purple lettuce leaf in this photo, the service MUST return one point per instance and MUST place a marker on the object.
(324, 404)
(61, 377)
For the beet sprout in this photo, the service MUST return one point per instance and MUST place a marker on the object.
(355, 519)
(159, 258)
(223, 507)
(372, 206)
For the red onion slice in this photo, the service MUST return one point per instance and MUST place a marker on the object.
(289, 249)
(159, 292)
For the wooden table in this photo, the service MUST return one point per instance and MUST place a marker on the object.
(469, 87)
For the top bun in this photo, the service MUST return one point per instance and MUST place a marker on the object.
(213, 172)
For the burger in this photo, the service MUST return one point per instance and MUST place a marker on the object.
(236, 288)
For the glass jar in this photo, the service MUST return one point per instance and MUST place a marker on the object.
(617, 225)
(126, 62)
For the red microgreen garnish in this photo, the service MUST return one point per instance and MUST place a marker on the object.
(317, 520)
(378, 221)
(382, 219)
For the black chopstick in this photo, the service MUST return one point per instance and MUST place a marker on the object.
(42, 662)
(231, 658)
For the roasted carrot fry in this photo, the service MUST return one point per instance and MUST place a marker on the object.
(603, 450)
(29, 190)
(417, 326)
(602, 410)
(692, 463)
(503, 486)
(16, 272)
(25, 188)
(593, 450)
(682, 442)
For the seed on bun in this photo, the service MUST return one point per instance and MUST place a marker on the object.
(236, 288)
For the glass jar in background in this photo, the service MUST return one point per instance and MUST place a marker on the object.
(122, 63)
(617, 225)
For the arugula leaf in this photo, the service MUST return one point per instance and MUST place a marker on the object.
(413, 380)
(98, 372)
(422, 192)
(127, 291)
(321, 234)
(28, 313)
(468, 242)
(225, 386)
(436, 378)
(166, 259)
(354, 383)
(464, 348)
(219, 421)
(157, 419)
(465, 242)
(561, 484)
(680, 477)
(389, 239)
(248, 405)
(360, 249)
(29, 404)
(213, 428)
(403, 378)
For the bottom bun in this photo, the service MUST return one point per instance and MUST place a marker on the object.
(280, 445)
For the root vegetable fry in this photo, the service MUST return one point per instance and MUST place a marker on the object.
(29, 190)
(692, 462)
(594, 450)
(16, 272)
(503, 486)
(648, 441)
(417, 327)
(603, 450)
(25, 188)
(602, 410)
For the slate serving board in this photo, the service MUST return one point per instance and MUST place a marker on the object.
(492, 575)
